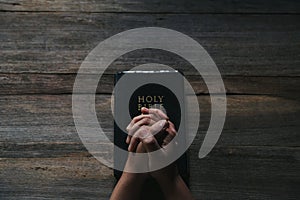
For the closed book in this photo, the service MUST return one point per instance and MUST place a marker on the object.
(149, 89)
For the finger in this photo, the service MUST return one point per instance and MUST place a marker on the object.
(171, 133)
(155, 117)
(147, 135)
(140, 148)
(143, 120)
(144, 110)
(138, 136)
(133, 121)
(137, 125)
(171, 129)
(158, 113)
(158, 126)
(136, 119)
(134, 141)
(128, 138)
(160, 137)
(150, 144)
(154, 113)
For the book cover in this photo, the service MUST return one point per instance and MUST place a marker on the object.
(152, 94)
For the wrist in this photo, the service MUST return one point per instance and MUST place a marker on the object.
(167, 181)
(134, 177)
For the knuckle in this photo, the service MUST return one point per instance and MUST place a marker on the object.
(149, 141)
(144, 131)
(130, 133)
(148, 120)
(135, 118)
(173, 133)
(144, 128)
(151, 116)
(144, 120)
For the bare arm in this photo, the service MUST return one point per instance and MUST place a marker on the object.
(128, 187)
(168, 178)
(174, 188)
(171, 183)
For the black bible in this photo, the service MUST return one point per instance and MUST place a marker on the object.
(151, 94)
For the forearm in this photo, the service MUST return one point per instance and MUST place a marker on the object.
(175, 189)
(128, 187)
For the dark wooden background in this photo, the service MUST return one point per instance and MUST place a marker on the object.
(255, 44)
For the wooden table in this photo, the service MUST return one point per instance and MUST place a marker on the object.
(255, 44)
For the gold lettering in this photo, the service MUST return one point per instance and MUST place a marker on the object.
(160, 98)
(141, 99)
(139, 107)
(149, 99)
(150, 102)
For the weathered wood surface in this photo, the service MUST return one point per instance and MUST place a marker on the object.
(74, 177)
(14, 83)
(155, 6)
(253, 158)
(255, 45)
(34, 121)
(252, 45)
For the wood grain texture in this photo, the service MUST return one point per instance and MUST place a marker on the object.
(235, 173)
(155, 6)
(252, 45)
(35, 121)
(49, 117)
(252, 159)
(73, 177)
(14, 83)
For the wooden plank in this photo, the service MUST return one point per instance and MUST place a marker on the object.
(256, 157)
(231, 172)
(21, 147)
(42, 125)
(235, 173)
(56, 110)
(252, 45)
(12, 83)
(79, 177)
(224, 173)
(156, 6)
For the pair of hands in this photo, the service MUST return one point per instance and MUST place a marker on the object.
(149, 132)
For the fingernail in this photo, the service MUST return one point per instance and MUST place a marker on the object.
(129, 147)
(167, 124)
(144, 109)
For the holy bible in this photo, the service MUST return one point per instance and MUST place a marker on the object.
(151, 89)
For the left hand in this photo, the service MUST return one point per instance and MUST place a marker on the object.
(149, 132)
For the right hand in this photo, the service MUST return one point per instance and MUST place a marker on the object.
(149, 132)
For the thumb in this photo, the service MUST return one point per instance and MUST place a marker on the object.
(150, 141)
(159, 126)
(150, 144)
